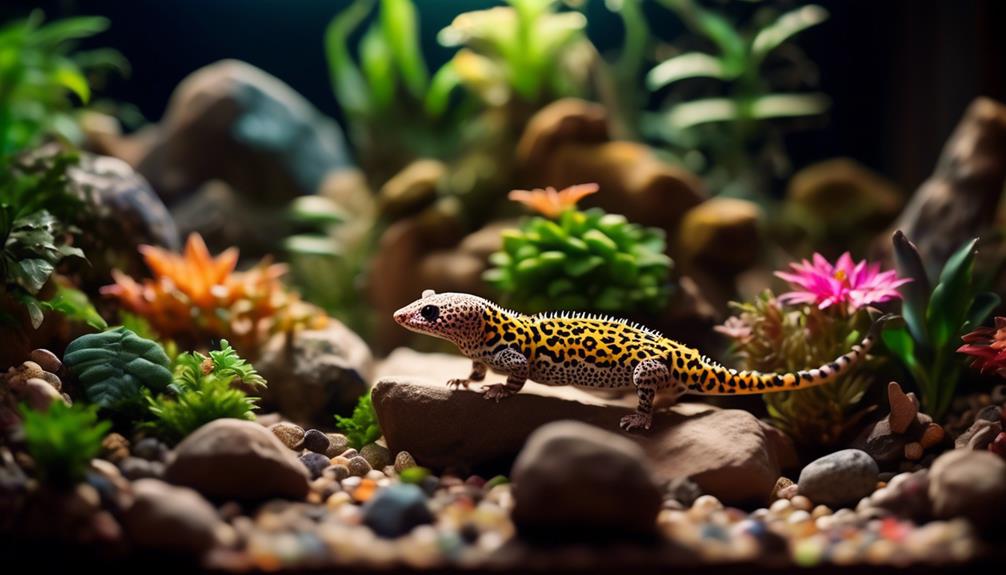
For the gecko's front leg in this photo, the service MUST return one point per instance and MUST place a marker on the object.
(478, 374)
(515, 365)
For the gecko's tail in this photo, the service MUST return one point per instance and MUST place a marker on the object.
(726, 381)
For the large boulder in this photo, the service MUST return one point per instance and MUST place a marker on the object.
(235, 459)
(729, 453)
(971, 484)
(573, 478)
(313, 374)
(173, 519)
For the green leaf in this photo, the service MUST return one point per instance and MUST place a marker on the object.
(685, 66)
(443, 84)
(62, 441)
(400, 24)
(600, 243)
(362, 428)
(32, 273)
(114, 366)
(785, 27)
(70, 77)
(981, 308)
(952, 298)
(916, 292)
(347, 82)
(789, 105)
(716, 28)
(74, 304)
(378, 64)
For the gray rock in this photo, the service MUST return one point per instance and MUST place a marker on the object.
(576, 479)
(396, 510)
(170, 519)
(971, 484)
(337, 444)
(358, 466)
(136, 468)
(151, 449)
(316, 441)
(839, 479)
(315, 463)
(315, 373)
(235, 459)
(378, 456)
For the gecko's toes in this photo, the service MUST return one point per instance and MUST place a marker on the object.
(635, 422)
(496, 392)
(458, 383)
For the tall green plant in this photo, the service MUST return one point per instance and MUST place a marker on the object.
(43, 79)
(732, 124)
(936, 318)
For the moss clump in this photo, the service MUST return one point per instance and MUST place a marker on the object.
(62, 441)
(362, 427)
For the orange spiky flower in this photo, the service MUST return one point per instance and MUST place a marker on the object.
(551, 203)
(194, 298)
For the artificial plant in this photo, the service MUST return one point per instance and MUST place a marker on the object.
(730, 125)
(204, 388)
(195, 298)
(43, 79)
(568, 258)
(362, 427)
(62, 441)
(936, 316)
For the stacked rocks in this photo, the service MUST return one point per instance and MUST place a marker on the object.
(900, 441)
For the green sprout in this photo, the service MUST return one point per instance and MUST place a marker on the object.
(362, 427)
(62, 440)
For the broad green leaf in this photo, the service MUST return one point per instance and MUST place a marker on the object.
(68, 29)
(901, 344)
(75, 305)
(32, 273)
(400, 24)
(952, 298)
(685, 66)
(785, 27)
(347, 81)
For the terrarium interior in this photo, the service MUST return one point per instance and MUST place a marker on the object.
(503, 285)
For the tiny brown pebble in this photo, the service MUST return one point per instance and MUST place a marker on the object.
(903, 409)
(376, 455)
(337, 472)
(403, 461)
(789, 492)
(780, 484)
(339, 460)
(46, 359)
(30, 369)
(801, 502)
(932, 436)
(115, 447)
(350, 453)
(337, 444)
(53, 380)
(291, 435)
(358, 466)
(913, 451)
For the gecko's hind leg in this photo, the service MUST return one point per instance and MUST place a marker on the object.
(478, 374)
(649, 376)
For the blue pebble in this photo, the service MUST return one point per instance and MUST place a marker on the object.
(315, 463)
(396, 510)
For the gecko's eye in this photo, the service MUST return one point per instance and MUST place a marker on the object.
(429, 312)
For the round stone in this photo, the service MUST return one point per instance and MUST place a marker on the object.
(337, 444)
(376, 455)
(396, 510)
(316, 441)
(839, 478)
(315, 463)
(358, 466)
(403, 461)
(289, 434)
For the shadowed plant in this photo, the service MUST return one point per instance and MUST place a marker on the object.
(62, 441)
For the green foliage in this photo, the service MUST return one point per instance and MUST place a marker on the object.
(33, 192)
(414, 475)
(770, 338)
(935, 320)
(116, 366)
(40, 71)
(75, 306)
(732, 125)
(205, 388)
(582, 260)
(63, 440)
(362, 428)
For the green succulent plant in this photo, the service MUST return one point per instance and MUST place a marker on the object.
(362, 428)
(768, 337)
(580, 260)
(62, 440)
(43, 79)
(204, 389)
(116, 366)
(935, 319)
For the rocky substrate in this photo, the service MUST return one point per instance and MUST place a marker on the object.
(706, 486)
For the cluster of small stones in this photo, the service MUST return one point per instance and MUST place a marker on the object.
(35, 383)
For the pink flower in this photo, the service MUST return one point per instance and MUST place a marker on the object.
(845, 283)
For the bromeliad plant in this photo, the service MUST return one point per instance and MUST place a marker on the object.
(986, 347)
(825, 313)
(62, 441)
(732, 125)
(195, 298)
(204, 388)
(935, 319)
(575, 259)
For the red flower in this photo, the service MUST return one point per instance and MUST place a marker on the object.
(987, 347)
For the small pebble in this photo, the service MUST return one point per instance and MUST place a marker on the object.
(404, 460)
(289, 434)
(338, 499)
(913, 451)
(358, 466)
(315, 463)
(820, 511)
(316, 441)
(151, 449)
(932, 436)
(46, 360)
(337, 444)
(801, 502)
(115, 447)
(339, 460)
(376, 455)
(337, 472)
(350, 453)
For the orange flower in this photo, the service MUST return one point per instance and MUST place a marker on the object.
(552, 203)
(194, 298)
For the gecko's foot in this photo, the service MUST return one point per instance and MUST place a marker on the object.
(636, 422)
(458, 383)
(497, 391)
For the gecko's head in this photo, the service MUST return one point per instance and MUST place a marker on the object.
(452, 316)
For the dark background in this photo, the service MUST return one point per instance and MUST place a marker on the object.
(900, 72)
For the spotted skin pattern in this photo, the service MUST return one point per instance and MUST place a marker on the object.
(593, 352)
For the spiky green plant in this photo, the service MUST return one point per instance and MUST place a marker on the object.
(362, 427)
(205, 388)
(935, 320)
(580, 259)
(62, 440)
(768, 337)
